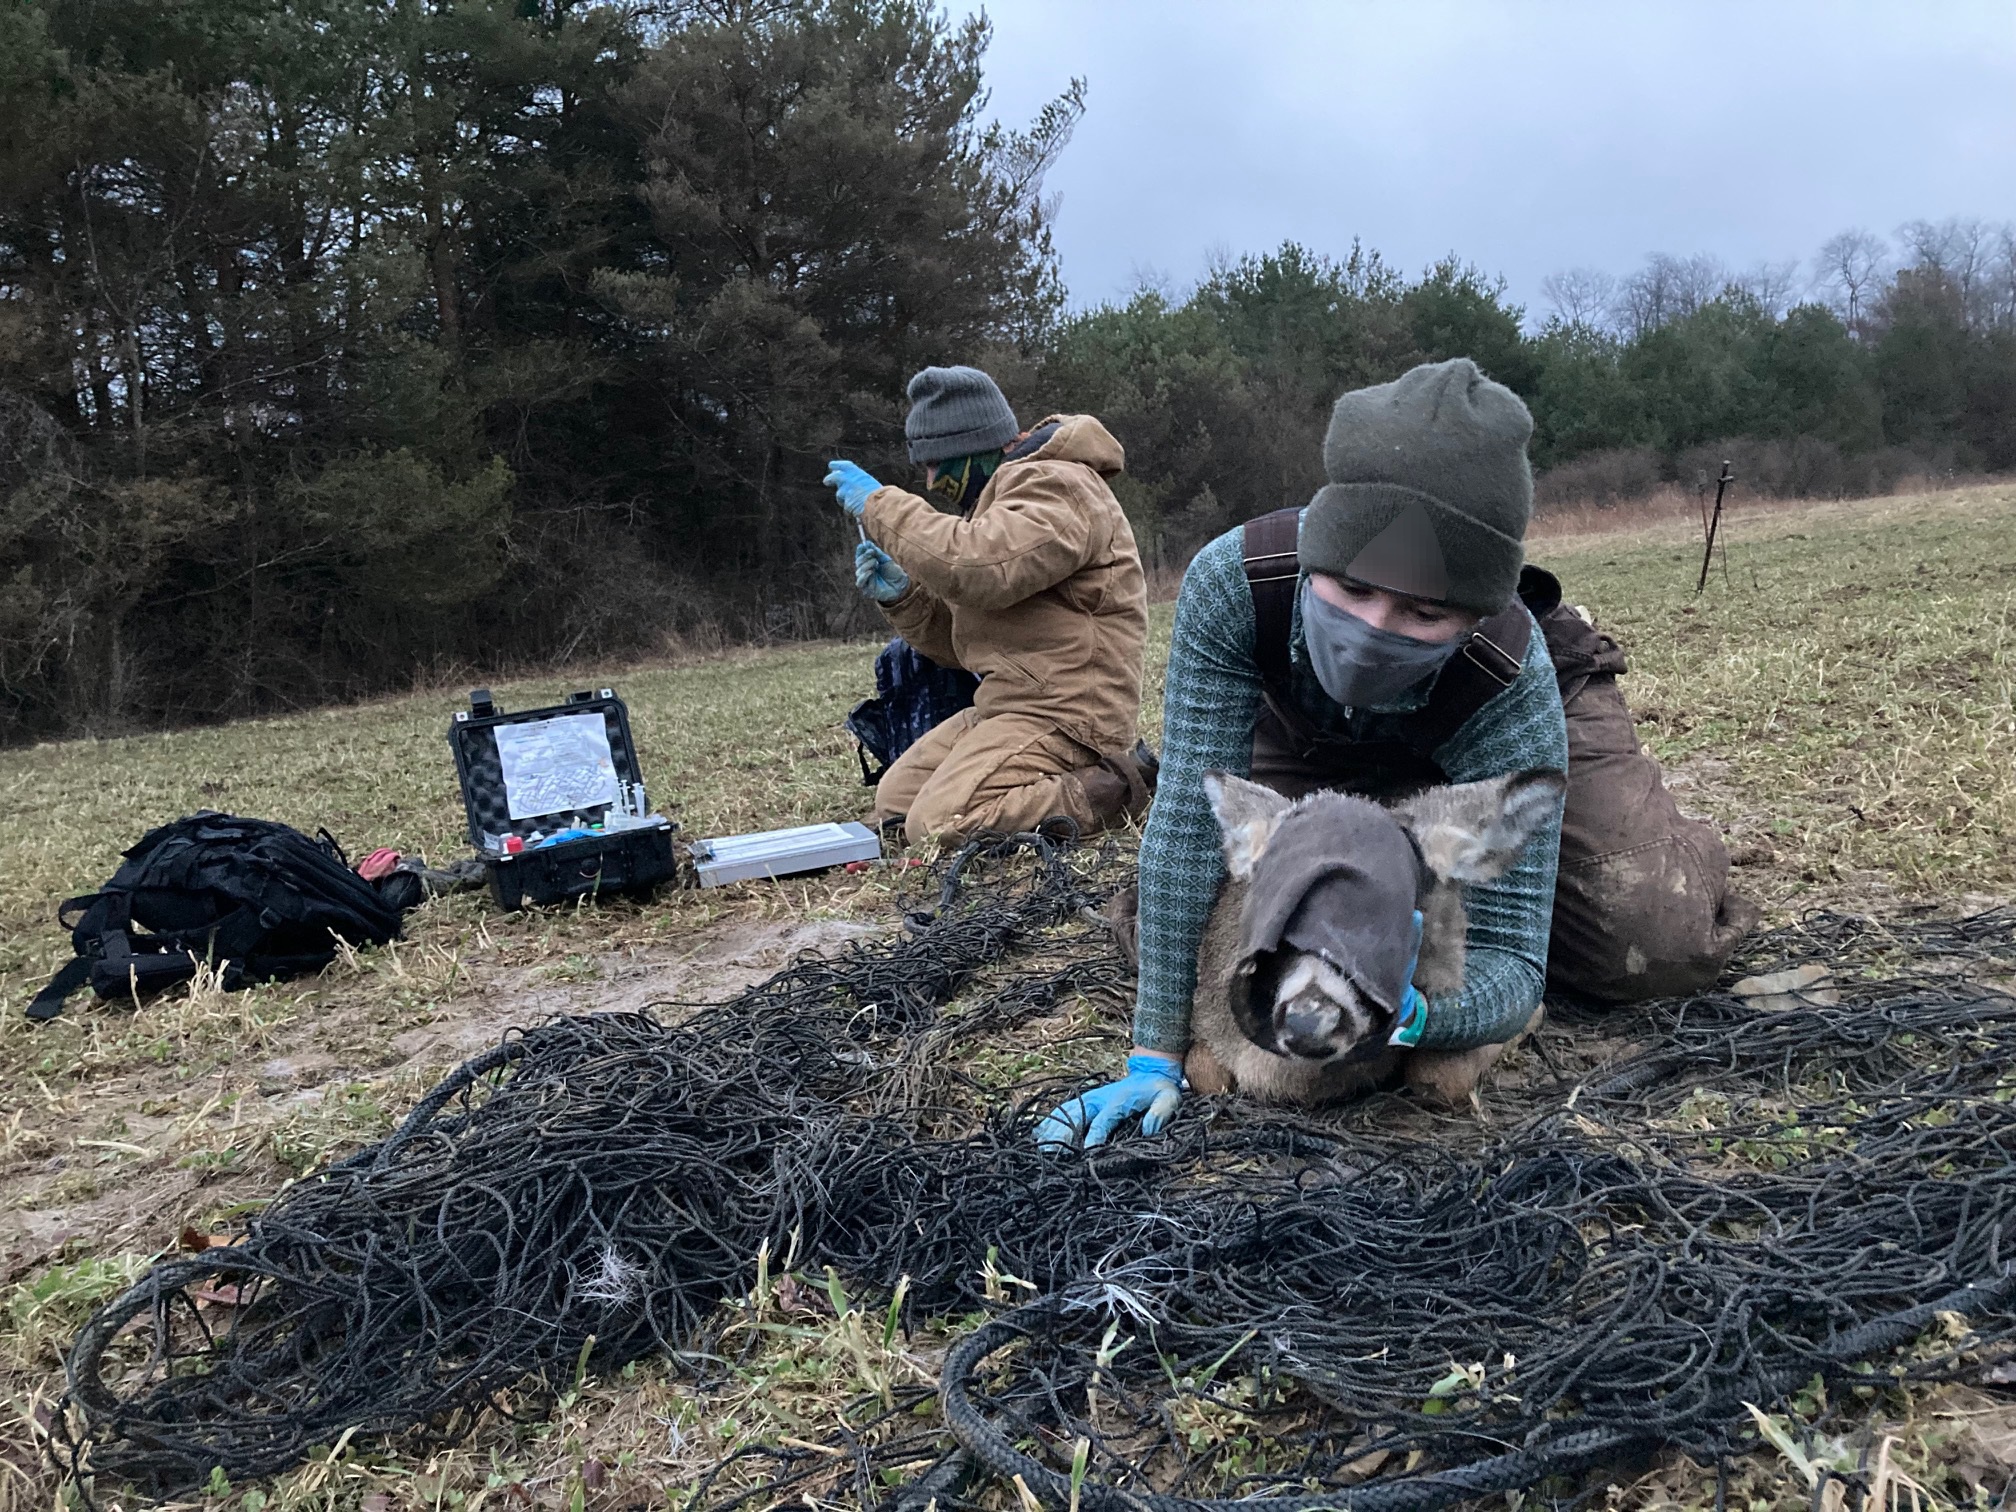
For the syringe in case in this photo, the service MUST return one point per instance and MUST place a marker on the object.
(782, 853)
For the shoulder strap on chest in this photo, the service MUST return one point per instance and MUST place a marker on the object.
(1488, 664)
(1272, 569)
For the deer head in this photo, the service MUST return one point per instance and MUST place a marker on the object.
(1331, 885)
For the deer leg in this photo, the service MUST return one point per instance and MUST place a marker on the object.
(1204, 1073)
(1451, 1076)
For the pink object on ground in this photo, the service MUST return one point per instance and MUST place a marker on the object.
(379, 863)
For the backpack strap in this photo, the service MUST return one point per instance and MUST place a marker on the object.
(47, 1003)
(98, 923)
(70, 912)
(1488, 663)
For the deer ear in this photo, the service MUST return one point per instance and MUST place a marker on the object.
(1474, 831)
(1247, 814)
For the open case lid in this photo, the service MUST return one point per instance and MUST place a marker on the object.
(542, 770)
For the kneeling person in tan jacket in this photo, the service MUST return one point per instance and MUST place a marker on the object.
(1027, 576)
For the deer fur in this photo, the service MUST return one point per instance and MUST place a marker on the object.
(1467, 833)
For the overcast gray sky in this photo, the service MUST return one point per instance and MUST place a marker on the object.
(1527, 136)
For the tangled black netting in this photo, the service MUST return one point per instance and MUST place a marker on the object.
(1716, 1203)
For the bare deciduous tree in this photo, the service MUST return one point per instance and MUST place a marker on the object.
(1967, 251)
(1772, 285)
(1667, 289)
(1697, 280)
(1848, 269)
(2004, 307)
(1581, 296)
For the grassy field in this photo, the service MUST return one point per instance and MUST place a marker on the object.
(1839, 700)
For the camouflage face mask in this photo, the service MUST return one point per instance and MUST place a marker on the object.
(959, 480)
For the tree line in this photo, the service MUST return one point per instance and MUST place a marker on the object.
(346, 344)
(1876, 363)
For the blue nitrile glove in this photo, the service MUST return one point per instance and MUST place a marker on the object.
(852, 484)
(877, 575)
(1413, 1007)
(1152, 1087)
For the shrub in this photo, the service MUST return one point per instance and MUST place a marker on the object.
(1601, 479)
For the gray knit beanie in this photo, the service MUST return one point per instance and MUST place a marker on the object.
(956, 412)
(1429, 490)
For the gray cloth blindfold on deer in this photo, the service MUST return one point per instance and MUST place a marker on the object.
(1363, 667)
(1340, 883)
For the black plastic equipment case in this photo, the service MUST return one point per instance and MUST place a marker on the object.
(624, 860)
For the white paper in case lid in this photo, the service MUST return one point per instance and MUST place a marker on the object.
(556, 766)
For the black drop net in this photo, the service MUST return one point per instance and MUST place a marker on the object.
(1665, 1214)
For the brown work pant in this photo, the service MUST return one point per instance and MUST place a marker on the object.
(1642, 905)
(1008, 772)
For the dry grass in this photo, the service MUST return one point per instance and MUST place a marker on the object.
(1670, 508)
(1840, 698)
(1841, 701)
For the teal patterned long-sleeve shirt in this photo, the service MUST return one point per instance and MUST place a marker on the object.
(1211, 700)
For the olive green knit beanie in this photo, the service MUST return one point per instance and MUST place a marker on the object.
(1429, 490)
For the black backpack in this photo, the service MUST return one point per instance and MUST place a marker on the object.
(256, 899)
(913, 695)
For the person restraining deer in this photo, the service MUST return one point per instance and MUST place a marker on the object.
(1359, 866)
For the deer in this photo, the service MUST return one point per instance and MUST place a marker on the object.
(1286, 1024)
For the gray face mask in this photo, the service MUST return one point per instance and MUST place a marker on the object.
(1363, 667)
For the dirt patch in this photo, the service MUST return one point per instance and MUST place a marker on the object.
(721, 962)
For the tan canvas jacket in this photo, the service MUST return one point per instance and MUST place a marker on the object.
(1038, 590)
